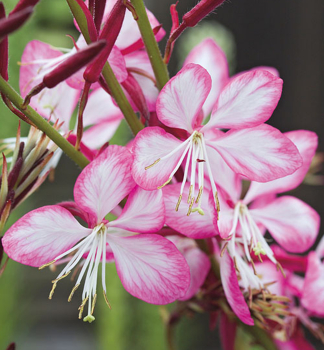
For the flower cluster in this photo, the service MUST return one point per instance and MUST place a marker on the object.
(193, 197)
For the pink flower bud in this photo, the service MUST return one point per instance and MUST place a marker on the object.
(22, 4)
(201, 10)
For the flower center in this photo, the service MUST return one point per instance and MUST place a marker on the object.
(195, 150)
(95, 246)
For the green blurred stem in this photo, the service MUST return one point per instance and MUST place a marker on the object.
(43, 125)
(159, 67)
(108, 74)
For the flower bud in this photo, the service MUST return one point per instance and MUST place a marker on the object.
(201, 10)
(22, 4)
(13, 22)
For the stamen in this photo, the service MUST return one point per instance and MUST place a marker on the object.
(60, 278)
(223, 249)
(47, 264)
(253, 266)
(73, 290)
(93, 303)
(279, 267)
(217, 203)
(190, 206)
(235, 264)
(52, 291)
(150, 166)
(168, 181)
(81, 307)
(190, 193)
(178, 204)
(106, 299)
(199, 194)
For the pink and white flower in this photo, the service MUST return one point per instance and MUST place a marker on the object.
(150, 266)
(250, 148)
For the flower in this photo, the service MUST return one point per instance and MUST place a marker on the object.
(250, 148)
(150, 266)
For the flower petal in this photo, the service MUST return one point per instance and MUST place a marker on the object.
(313, 294)
(104, 182)
(143, 212)
(246, 101)
(306, 142)
(42, 234)
(211, 57)
(195, 225)
(227, 332)
(180, 101)
(150, 267)
(151, 144)
(261, 154)
(291, 222)
(232, 290)
(199, 265)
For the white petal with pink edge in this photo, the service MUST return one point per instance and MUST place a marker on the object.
(246, 101)
(306, 143)
(232, 290)
(150, 145)
(313, 293)
(180, 101)
(42, 235)
(211, 57)
(150, 267)
(104, 182)
(261, 154)
(291, 222)
(143, 212)
(195, 225)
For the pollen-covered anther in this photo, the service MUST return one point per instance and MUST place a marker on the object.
(47, 264)
(178, 203)
(106, 299)
(52, 291)
(73, 291)
(150, 166)
(166, 182)
(81, 307)
(93, 303)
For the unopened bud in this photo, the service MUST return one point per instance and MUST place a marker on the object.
(200, 11)
(13, 22)
(22, 4)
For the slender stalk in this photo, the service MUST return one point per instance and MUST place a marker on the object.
(108, 74)
(159, 67)
(261, 336)
(43, 125)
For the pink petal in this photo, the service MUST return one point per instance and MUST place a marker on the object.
(34, 51)
(291, 222)
(149, 145)
(180, 101)
(320, 248)
(294, 263)
(150, 267)
(261, 154)
(246, 101)
(211, 57)
(313, 295)
(297, 342)
(42, 234)
(143, 212)
(306, 142)
(232, 290)
(104, 182)
(199, 265)
(268, 273)
(195, 225)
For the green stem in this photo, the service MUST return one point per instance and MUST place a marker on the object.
(43, 125)
(261, 336)
(108, 74)
(159, 67)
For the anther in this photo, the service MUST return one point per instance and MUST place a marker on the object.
(217, 203)
(81, 307)
(199, 194)
(106, 299)
(190, 193)
(60, 278)
(178, 204)
(47, 264)
(73, 291)
(223, 249)
(169, 180)
(235, 264)
(150, 166)
(93, 303)
(279, 267)
(190, 206)
(253, 266)
(52, 291)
